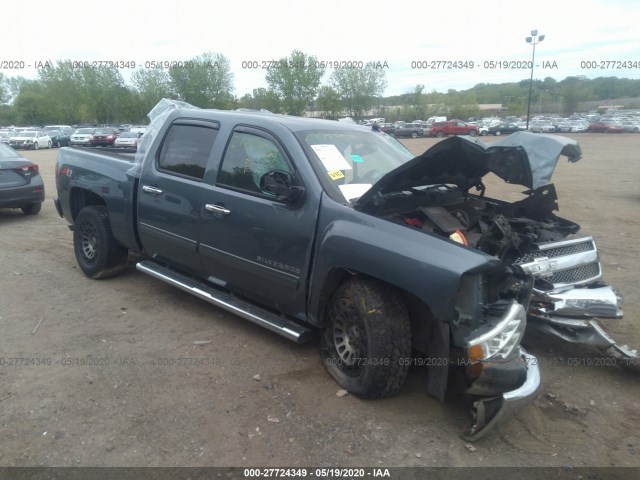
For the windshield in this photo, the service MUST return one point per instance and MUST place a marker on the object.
(84, 131)
(26, 134)
(128, 135)
(103, 131)
(352, 161)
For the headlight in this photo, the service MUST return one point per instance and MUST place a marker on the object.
(499, 342)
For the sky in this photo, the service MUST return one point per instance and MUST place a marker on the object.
(401, 37)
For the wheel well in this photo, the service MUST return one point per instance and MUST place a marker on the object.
(81, 198)
(423, 323)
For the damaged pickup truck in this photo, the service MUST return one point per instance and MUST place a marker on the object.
(312, 227)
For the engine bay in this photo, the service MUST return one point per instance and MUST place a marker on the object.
(502, 229)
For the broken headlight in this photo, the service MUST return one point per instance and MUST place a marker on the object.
(502, 338)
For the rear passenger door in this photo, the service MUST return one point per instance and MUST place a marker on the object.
(169, 196)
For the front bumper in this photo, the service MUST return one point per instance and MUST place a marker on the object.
(491, 412)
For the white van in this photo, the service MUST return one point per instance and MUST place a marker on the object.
(430, 120)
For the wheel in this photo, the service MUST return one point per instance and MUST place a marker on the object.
(366, 339)
(473, 133)
(483, 133)
(36, 145)
(498, 133)
(97, 253)
(49, 144)
(31, 209)
(439, 134)
(414, 134)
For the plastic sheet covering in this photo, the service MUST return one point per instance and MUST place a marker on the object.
(157, 116)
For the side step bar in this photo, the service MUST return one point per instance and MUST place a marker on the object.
(271, 321)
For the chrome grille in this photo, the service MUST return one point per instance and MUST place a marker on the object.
(569, 249)
(576, 275)
(569, 262)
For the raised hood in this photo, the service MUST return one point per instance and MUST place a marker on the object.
(522, 158)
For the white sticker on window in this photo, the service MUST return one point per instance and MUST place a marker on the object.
(331, 157)
(351, 191)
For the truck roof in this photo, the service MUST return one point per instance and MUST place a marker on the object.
(266, 118)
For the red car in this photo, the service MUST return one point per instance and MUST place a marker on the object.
(104, 137)
(604, 127)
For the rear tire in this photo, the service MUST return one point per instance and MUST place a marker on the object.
(473, 133)
(439, 134)
(31, 209)
(366, 344)
(414, 134)
(97, 253)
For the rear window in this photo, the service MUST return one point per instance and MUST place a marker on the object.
(185, 150)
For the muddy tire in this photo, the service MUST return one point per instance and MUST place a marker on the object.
(367, 339)
(97, 253)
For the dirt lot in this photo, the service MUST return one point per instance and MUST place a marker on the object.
(100, 389)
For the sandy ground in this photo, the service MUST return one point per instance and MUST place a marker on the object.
(100, 381)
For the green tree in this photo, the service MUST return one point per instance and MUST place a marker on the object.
(153, 84)
(33, 104)
(295, 79)
(358, 87)
(207, 83)
(328, 102)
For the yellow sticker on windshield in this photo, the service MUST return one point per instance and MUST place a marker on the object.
(336, 175)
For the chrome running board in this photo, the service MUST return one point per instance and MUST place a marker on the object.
(271, 321)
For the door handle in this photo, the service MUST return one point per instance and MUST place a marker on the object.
(217, 209)
(151, 190)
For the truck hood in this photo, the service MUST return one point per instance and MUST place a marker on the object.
(522, 158)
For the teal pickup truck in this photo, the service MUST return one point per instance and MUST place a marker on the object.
(314, 227)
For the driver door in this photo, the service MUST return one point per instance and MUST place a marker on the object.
(250, 242)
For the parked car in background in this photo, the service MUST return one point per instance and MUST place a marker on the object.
(127, 140)
(631, 126)
(139, 129)
(453, 127)
(408, 130)
(59, 138)
(21, 185)
(5, 135)
(104, 137)
(605, 127)
(503, 128)
(66, 129)
(543, 127)
(387, 128)
(82, 136)
(30, 139)
(579, 126)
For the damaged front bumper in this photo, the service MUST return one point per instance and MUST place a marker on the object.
(492, 411)
(575, 297)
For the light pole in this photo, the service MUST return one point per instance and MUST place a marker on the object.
(534, 39)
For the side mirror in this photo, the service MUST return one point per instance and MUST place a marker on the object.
(280, 184)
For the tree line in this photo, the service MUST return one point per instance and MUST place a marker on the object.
(66, 94)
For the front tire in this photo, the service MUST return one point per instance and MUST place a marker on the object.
(473, 133)
(414, 134)
(366, 344)
(439, 134)
(498, 133)
(49, 144)
(36, 145)
(97, 253)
